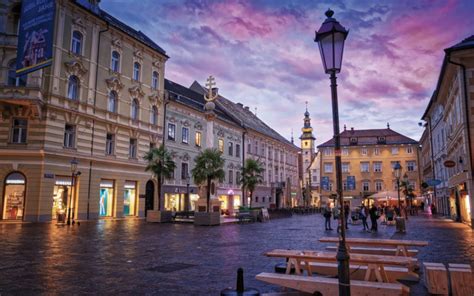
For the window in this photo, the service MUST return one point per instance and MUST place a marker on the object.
(353, 141)
(263, 150)
(364, 151)
(135, 109)
(394, 150)
(237, 150)
(112, 104)
(328, 151)
(115, 61)
(152, 145)
(377, 166)
(132, 149)
(221, 145)
(256, 147)
(231, 177)
(256, 198)
(249, 148)
(364, 167)
(393, 163)
(184, 171)
(328, 167)
(76, 44)
(19, 131)
(13, 80)
(69, 135)
(73, 88)
(185, 135)
(171, 131)
(376, 151)
(345, 167)
(263, 198)
(198, 139)
(409, 150)
(136, 71)
(378, 186)
(345, 152)
(154, 80)
(109, 144)
(237, 177)
(231, 148)
(411, 165)
(154, 115)
(365, 186)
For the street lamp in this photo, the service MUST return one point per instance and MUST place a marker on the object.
(405, 180)
(398, 170)
(330, 38)
(187, 202)
(74, 164)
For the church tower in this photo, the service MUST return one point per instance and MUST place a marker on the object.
(307, 141)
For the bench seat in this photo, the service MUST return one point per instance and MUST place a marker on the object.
(330, 286)
(374, 251)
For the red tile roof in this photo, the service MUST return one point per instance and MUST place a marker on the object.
(370, 137)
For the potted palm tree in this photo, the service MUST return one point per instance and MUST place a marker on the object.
(250, 177)
(162, 166)
(209, 166)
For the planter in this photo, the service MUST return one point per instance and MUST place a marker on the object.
(159, 216)
(207, 219)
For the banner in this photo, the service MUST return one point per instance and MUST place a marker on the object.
(35, 37)
(351, 183)
(325, 183)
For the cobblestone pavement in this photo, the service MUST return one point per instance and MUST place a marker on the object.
(133, 257)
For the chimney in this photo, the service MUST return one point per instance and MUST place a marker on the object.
(352, 130)
(240, 105)
(344, 127)
(246, 108)
(388, 125)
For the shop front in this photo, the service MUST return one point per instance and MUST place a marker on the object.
(61, 197)
(14, 197)
(459, 204)
(175, 198)
(130, 200)
(230, 200)
(106, 199)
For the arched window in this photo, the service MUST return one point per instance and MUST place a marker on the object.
(13, 80)
(112, 104)
(154, 80)
(14, 196)
(154, 115)
(135, 109)
(136, 71)
(115, 62)
(73, 88)
(76, 44)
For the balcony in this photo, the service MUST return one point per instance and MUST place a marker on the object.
(20, 95)
(8, 40)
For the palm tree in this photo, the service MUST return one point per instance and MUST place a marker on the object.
(251, 176)
(209, 166)
(161, 165)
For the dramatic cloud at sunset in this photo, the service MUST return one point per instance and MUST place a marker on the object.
(262, 54)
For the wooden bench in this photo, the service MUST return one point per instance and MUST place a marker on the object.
(462, 279)
(374, 251)
(358, 272)
(330, 286)
(245, 216)
(435, 277)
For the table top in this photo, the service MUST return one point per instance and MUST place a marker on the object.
(322, 256)
(371, 241)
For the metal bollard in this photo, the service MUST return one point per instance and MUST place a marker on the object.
(240, 290)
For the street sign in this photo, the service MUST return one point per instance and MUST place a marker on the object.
(433, 182)
(449, 163)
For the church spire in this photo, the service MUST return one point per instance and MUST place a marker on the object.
(307, 129)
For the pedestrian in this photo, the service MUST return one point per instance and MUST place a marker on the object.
(433, 209)
(363, 216)
(374, 215)
(327, 217)
(347, 211)
(422, 205)
(335, 214)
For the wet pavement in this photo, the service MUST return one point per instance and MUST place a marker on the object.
(133, 257)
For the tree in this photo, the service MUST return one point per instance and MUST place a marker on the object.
(209, 166)
(161, 165)
(251, 176)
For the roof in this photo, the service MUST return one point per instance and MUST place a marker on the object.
(192, 99)
(121, 26)
(465, 44)
(245, 117)
(370, 137)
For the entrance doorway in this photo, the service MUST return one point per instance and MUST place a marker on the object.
(14, 197)
(149, 195)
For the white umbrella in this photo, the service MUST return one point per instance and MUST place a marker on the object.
(386, 195)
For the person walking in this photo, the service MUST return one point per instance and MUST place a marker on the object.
(327, 217)
(347, 211)
(373, 212)
(363, 216)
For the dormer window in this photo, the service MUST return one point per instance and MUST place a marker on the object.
(353, 141)
(381, 140)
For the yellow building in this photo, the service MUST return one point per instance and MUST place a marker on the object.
(368, 158)
(98, 103)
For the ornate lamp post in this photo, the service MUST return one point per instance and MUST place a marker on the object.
(398, 170)
(405, 180)
(330, 38)
(74, 164)
(187, 202)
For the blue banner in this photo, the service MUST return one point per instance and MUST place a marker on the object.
(351, 183)
(325, 183)
(35, 37)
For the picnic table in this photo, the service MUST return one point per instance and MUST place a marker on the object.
(375, 263)
(400, 246)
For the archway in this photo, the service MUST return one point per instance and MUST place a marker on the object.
(149, 195)
(13, 205)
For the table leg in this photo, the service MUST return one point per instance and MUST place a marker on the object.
(378, 275)
(383, 274)
(308, 268)
(289, 263)
(297, 267)
(368, 273)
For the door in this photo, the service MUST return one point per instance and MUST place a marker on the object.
(149, 195)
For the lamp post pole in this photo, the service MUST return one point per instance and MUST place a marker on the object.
(74, 164)
(187, 203)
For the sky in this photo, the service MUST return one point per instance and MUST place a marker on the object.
(262, 54)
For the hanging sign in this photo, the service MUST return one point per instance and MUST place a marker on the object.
(449, 163)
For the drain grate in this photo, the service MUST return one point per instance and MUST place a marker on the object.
(171, 267)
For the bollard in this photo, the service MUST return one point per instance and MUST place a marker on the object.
(240, 290)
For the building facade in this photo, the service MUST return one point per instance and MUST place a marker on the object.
(425, 167)
(368, 158)
(99, 103)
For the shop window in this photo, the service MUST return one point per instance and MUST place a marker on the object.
(19, 130)
(136, 71)
(110, 144)
(69, 136)
(76, 44)
(135, 109)
(73, 88)
(185, 135)
(154, 115)
(130, 198)
(132, 149)
(112, 102)
(198, 139)
(115, 61)
(171, 131)
(154, 80)
(61, 197)
(106, 199)
(14, 196)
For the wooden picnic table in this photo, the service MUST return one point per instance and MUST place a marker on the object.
(375, 263)
(399, 244)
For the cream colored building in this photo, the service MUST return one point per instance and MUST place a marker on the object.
(369, 156)
(99, 102)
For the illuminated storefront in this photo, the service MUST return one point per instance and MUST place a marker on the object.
(14, 197)
(130, 198)
(61, 197)
(106, 199)
(230, 202)
(177, 202)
